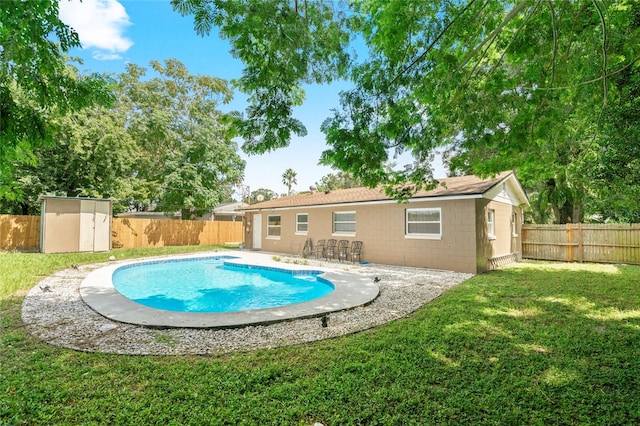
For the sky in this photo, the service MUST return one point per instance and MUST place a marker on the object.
(114, 33)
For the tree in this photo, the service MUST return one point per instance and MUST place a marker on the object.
(164, 145)
(289, 179)
(502, 85)
(35, 83)
(190, 162)
(283, 46)
(262, 194)
(94, 156)
(339, 180)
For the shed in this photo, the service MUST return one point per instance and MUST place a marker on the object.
(73, 224)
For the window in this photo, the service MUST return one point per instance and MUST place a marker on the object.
(344, 223)
(302, 223)
(514, 224)
(423, 223)
(273, 227)
(491, 223)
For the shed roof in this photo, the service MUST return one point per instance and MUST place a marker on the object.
(459, 186)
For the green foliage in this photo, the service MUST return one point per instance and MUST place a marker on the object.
(283, 46)
(189, 161)
(35, 82)
(522, 86)
(264, 194)
(164, 144)
(339, 180)
(533, 344)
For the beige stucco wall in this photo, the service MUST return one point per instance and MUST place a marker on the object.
(504, 242)
(381, 227)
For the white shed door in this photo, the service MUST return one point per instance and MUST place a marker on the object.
(257, 231)
(102, 227)
(87, 225)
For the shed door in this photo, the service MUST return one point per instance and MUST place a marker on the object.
(257, 231)
(87, 225)
(102, 227)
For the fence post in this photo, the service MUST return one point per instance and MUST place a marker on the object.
(569, 241)
(580, 244)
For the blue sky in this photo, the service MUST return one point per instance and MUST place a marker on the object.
(116, 32)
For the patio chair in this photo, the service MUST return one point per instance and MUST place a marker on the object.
(356, 249)
(318, 250)
(330, 252)
(343, 250)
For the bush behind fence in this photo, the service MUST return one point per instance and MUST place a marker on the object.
(22, 233)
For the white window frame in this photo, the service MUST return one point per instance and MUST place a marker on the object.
(491, 224)
(423, 235)
(334, 221)
(514, 224)
(270, 227)
(299, 222)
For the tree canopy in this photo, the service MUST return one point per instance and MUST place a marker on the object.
(164, 145)
(36, 83)
(529, 85)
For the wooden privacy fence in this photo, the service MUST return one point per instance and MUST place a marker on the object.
(579, 242)
(23, 232)
(19, 232)
(132, 233)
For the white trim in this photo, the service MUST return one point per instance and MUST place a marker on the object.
(333, 223)
(297, 222)
(491, 233)
(274, 237)
(423, 234)
(422, 237)
(363, 203)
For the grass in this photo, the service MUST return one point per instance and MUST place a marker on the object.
(532, 344)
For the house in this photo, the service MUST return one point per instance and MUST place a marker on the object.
(224, 212)
(466, 224)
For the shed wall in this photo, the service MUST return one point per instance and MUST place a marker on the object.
(61, 225)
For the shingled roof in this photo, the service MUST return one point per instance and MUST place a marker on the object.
(448, 187)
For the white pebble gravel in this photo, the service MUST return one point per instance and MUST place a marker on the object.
(54, 312)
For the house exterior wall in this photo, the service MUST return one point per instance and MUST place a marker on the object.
(504, 242)
(381, 227)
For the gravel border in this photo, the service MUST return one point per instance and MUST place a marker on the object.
(54, 312)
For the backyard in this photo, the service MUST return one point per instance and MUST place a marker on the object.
(533, 343)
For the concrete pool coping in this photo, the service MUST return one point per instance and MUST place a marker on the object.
(351, 290)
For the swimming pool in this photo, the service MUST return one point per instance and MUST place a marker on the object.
(350, 290)
(210, 284)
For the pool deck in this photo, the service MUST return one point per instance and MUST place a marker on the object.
(351, 290)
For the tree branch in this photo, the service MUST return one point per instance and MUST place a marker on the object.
(433, 43)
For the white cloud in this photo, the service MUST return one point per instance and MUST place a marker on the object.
(100, 24)
(101, 56)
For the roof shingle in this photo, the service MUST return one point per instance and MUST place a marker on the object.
(453, 186)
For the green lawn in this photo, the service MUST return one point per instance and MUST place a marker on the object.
(532, 344)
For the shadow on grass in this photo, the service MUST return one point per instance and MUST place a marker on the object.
(534, 343)
(531, 344)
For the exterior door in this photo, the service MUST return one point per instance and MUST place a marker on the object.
(257, 232)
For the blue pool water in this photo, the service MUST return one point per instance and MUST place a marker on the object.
(208, 285)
